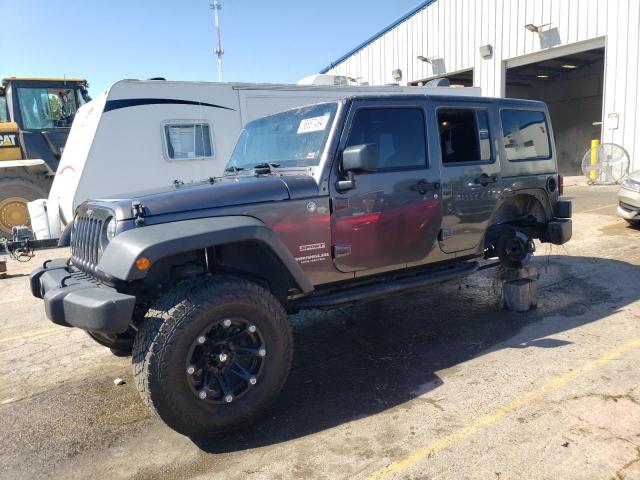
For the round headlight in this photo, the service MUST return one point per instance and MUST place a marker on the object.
(111, 228)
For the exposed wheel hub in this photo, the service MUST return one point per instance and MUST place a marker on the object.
(519, 248)
(221, 356)
(225, 360)
(515, 249)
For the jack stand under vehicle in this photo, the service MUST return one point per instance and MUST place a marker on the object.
(520, 289)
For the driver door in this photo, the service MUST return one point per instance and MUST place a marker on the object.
(390, 216)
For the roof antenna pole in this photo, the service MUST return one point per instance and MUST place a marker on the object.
(219, 51)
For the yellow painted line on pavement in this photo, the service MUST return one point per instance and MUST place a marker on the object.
(599, 208)
(420, 454)
(31, 334)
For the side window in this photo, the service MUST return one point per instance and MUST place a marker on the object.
(188, 141)
(464, 135)
(398, 132)
(526, 135)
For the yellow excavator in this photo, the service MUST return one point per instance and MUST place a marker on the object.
(35, 119)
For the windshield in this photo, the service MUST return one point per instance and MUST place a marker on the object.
(44, 108)
(294, 138)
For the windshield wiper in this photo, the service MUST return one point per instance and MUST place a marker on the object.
(263, 168)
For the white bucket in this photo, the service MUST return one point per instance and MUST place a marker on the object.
(39, 219)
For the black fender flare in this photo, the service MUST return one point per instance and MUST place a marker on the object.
(539, 194)
(162, 240)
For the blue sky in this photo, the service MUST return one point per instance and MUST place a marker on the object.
(264, 41)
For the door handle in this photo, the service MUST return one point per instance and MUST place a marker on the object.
(485, 179)
(423, 186)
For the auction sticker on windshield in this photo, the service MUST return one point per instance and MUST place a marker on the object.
(313, 124)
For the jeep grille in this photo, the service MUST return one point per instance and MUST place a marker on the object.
(86, 238)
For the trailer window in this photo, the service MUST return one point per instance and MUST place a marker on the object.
(188, 141)
(526, 135)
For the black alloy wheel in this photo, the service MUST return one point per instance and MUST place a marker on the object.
(225, 360)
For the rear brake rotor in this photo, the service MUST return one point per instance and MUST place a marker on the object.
(517, 249)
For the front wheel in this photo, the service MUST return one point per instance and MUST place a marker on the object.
(212, 354)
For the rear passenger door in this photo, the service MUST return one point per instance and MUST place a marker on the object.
(470, 172)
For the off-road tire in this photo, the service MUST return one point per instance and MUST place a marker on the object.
(22, 188)
(170, 327)
(120, 345)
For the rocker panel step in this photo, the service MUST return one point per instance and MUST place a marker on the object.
(385, 287)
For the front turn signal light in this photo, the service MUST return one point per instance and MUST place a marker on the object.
(143, 263)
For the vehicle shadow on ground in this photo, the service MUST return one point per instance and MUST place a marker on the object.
(359, 361)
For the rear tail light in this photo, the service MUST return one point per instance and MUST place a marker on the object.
(560, 185)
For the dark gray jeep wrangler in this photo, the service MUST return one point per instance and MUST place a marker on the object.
(320, 206)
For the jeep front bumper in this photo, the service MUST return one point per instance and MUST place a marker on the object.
(73, 299)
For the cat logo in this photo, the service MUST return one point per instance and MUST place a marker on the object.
(8, 140)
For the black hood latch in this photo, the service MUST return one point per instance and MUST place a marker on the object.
(137, 209)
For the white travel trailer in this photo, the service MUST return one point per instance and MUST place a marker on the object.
(146, 134)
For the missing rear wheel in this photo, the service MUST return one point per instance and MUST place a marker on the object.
(515, 248)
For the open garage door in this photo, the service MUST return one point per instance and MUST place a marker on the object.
(572, 86)
(463, 79)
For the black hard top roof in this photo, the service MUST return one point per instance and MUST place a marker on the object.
(449, 98)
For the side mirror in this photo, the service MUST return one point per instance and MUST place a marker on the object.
(361, 158)
(358, 158)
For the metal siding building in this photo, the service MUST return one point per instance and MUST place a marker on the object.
(449, 34)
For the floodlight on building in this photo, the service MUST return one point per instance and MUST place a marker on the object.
(537, 28)
(397, 74)
(423, 59)
(486, 51)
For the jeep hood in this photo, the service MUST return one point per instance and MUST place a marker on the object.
(219, 192)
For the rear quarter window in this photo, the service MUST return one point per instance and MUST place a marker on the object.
(526, 135)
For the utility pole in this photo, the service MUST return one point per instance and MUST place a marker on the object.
(219, 51)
